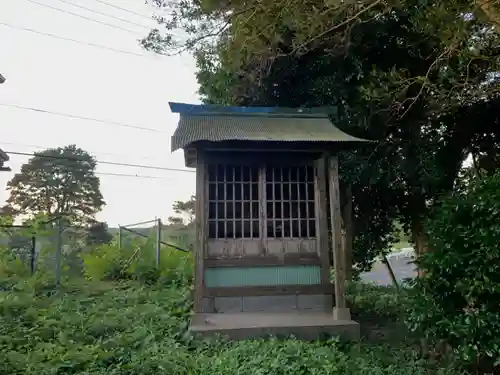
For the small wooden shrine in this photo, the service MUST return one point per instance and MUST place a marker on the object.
(262, 252)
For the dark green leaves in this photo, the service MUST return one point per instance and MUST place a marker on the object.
(57, 181)
(457, 297)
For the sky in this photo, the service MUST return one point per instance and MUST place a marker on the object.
(56, 75)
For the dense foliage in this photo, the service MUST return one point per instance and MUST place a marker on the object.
(97, 233)
(137, 262)
(457, 297)
(55, 182)
(128, 327)
(414, 75)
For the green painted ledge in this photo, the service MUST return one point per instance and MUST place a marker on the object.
(262, 276)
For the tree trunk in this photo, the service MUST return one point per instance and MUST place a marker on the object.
(419, 237)
(491, 10)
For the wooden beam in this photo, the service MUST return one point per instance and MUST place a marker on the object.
(274, 290)
(336, 228)
(348, 231)
(265, 260)
(322, 219)
(200, 229)
(262, 211)
(262, 157)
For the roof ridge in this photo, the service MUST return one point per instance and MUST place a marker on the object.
(218, 110)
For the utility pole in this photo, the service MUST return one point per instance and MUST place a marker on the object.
(158, 242)
(59, 250)
(3, 156)
(33, 255)
(119, 236)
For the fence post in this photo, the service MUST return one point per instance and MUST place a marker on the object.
(59, 251)
(33, 255)
(119, 236)
(158, 242)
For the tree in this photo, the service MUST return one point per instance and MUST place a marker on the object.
(98, 234)
(258, 33)
(405, 73)
(174, 220)
(59, 181)
(185, 209)
(181, 228)
(456, 298)
(319, 79)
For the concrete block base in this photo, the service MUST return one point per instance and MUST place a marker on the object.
(245, 325)
(273, 304)
(341, 313)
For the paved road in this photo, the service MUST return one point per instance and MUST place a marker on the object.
(380, 275)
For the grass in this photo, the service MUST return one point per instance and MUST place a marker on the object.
(132, 319)
(97, 328)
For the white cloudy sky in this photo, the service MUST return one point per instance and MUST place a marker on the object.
(61, 76)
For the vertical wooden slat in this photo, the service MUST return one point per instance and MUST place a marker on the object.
(242, 198)
(322, 218)
(306, 176)
(273, 201)
(290, 216)
(224, 179)
(200, 227)
(233, 171)
(335, 219)
(300, 213)
(217, 199)
(282, 205)
(262, 209)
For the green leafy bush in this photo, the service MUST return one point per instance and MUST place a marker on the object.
(128, 328)
(372, 301)
(137, 261)
(457, 299)
(11, 265)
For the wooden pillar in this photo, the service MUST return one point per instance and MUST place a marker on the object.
(322, 218)
(340, 311)
(348, 232)
(201, 232)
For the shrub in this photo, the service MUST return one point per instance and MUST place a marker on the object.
(457, 299)
(130, 329)
(104, 262)
(137, 261)
(370, 301)
(11, 265)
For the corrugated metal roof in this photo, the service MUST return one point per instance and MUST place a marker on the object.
(263, 127)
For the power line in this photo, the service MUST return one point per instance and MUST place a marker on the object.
(124, 9)
(107, 173)
(109, 122)
(75, 40)
(104, 14)
(145, 166)
(132, 175)
(83, 17)
(93, 152)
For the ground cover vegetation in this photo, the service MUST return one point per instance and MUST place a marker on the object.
(420, 78)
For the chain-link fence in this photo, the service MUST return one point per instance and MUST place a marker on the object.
(58, 251)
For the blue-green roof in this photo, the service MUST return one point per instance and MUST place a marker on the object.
(257, 127)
